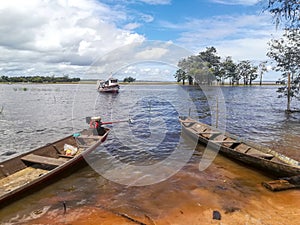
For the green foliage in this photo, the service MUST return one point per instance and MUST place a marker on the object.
(181, 75)
(285, 11)
(294, 90)
(286, 54)
(38, 79)
(211, 58)
(207, 67)
(129, 79)
(228, 69)
(247, 72)
(286, 51)
(202, 67)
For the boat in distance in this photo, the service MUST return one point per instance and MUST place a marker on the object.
(265, 159)
(24, 173)
(110, 86)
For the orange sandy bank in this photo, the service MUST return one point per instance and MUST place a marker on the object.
(189, 197)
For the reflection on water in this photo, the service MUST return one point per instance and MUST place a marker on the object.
(44, 113)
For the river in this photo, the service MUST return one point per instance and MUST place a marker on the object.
(33, 115)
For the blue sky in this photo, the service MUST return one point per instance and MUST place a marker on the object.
(167, 19)
(72, 36)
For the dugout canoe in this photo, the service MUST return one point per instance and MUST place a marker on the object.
(265, 159)
(24, 173)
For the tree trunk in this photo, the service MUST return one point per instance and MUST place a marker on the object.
(288, 109)
(260, 79)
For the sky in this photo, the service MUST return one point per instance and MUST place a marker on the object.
(144, 38)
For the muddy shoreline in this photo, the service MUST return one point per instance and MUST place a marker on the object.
(189, 197)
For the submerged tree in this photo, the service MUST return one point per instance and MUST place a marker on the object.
(228, 70)
(286, 53)
(202, 67)
(211, 58)
(247, 72)
(262, 68)
(181, 75)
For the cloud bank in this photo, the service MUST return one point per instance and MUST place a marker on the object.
(66, 37)
(58, 37)
(240, 36)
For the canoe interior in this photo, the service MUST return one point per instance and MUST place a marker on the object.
(233, 147)
(25, 169)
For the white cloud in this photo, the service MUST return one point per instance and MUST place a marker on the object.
(132, 26)
(236, 2)
(148, 71)
(57, 36)
(146, 52)
(156, 2)
(220, 27)
(151, 53)
(244, 49)
(244, 37)
(239, 36)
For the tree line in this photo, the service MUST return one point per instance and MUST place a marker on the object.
(207, 67)
(283, 52)
(38, 79)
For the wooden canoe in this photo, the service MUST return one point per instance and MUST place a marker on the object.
(266, 160)
(33, 169)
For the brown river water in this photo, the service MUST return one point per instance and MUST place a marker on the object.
(101, 194)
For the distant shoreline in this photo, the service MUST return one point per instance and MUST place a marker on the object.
(94, 82)
(271, 83)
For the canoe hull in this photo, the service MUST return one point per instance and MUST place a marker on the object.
(273, 168)
(51, 175)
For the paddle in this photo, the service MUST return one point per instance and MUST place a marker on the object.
(118, 121)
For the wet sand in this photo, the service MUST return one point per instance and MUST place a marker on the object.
(189, 197)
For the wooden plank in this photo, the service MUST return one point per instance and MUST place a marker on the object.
(225, 141)
(43, 160)
(66, 156)
(209, 132)
(188, 124)
(279, 185)
(262, 155)
(242, 148)
(89, 137)
(20, 178)
(83, 146)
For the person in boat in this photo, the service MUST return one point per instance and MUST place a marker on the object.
(96, 125)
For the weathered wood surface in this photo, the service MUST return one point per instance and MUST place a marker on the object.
(43, 160)
(22, 174)
(20, 178)
(283, 183)
(264, 159)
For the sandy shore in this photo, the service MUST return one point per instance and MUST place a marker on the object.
(189, 197)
